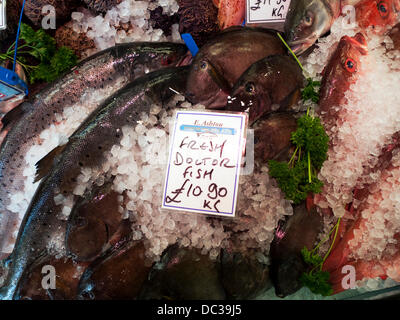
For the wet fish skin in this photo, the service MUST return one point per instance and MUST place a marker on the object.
(184, 274)
(68, 273)
(271, 84)
(341, 71)
(378, 14)
(118, 275)
(86, 148)
(112, 67)
(308, 20)
(272, 137)
(243, 276)
(223, 60)
(94, 219)
(299, 231)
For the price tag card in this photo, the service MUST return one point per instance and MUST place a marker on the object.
(204, 162)
(266, 11)
(3, 24)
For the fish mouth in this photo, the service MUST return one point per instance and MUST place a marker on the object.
(300, 46)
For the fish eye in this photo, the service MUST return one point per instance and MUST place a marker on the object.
(383, 9)
(308, 19)
(250, 88)
(203, 65)
(350, 65)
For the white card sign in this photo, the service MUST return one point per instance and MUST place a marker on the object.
(204, 162)
(3, 24)
(266, 11)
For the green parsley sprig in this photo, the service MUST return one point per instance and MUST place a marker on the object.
(316, 279)
(298, 177)
(310, 92)
(40, 47)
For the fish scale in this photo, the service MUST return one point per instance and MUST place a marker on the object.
(105, 72)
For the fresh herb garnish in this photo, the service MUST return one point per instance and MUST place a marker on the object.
(298, 177)
(40, 47)
(310, 92)
(316, 279)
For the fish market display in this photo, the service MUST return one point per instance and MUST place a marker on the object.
(84, 161)
(105, 128)
(55, 113)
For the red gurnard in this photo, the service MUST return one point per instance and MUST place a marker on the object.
(378, 14)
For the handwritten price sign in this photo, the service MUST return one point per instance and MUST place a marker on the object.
(2, 15)
(204, 162)
(261, 11)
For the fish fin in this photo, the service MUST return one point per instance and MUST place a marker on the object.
(15, 113)
(44, 165)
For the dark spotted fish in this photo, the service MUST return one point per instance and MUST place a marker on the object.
(86, 148)
(85, 88)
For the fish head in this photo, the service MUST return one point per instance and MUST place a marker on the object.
(306, 21)
(269, 85)
(342, 70)
(377, 14)
(206, 84)
(249, 95)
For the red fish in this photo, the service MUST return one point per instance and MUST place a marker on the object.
(340, 73)
(378, 14)
(230, 12)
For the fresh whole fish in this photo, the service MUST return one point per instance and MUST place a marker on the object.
(342, 70)
(299, 231)
(94, 219)
(184, 274)
(119, 274)
(308, 20)
(378, 14)
(58, 110)
(271, 84)
(221, 61)
(86, 148)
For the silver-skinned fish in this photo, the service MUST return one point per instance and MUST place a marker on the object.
(57, 111)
